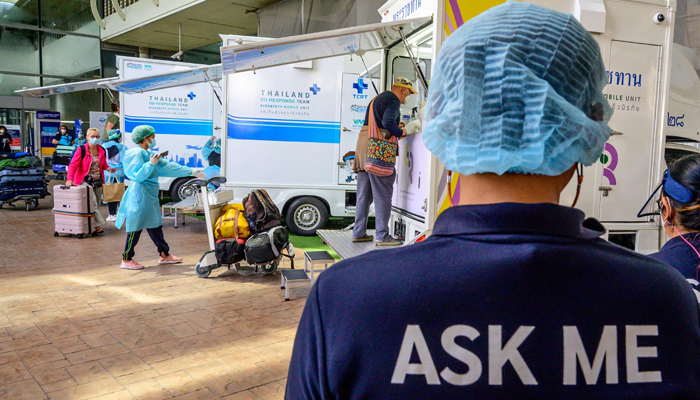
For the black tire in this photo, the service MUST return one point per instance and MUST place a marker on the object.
(181, 191)
(271, 268)
(80, 236)
(55, 234)
(202, 271)
(306, 215)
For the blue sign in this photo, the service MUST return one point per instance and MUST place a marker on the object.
(191, 95)
(360, 85)
(48, 115)
(315, 89)
(78, 127)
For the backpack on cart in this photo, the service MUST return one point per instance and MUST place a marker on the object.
(260, 211)
(229, 252)
(265, 247)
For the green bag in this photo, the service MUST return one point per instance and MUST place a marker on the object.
(15, 163)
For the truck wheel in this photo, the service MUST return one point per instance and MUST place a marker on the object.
(181, 190)
(306, 215)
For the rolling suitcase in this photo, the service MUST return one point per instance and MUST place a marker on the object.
(12, 175)
(72, 209)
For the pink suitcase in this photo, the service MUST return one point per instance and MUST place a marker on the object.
(72, 209)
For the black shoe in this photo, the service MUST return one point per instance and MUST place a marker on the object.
(366, 238)
(390, 241)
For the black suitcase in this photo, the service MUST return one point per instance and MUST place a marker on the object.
(16, 175)
(12, 190)
(60, 159)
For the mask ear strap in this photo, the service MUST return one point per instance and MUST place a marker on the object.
(449, 188)
(579, 174)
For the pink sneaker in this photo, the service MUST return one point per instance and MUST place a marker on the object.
(170, 259)
(131, 265)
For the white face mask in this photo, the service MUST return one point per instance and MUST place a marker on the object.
(63, 131)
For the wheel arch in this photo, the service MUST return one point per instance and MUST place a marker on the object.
(292, 199)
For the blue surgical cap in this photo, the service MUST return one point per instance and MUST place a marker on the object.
(141, 132)
(513, 90)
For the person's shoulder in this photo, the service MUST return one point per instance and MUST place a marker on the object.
(136, 151)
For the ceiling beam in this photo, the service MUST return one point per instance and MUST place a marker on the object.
(118, 9)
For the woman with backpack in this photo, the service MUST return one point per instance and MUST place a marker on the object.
(85, 169)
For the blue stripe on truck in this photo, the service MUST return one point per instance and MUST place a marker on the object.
(284, 130)
(172, 126)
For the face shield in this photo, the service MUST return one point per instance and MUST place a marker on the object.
(673, 189)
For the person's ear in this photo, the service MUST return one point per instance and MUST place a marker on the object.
(667, 212)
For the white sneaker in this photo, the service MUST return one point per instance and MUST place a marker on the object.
(111, 218)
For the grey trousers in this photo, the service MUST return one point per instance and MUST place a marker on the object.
(379, 189)
(98, 219)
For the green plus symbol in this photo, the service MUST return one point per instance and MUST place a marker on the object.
(604, 158)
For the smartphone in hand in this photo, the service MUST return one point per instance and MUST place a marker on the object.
(163, 154)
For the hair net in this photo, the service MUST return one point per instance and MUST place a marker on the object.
(141, 132)
(512, 91)
(114, 133)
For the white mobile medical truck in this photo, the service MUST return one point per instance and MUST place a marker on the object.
(287, 131)
(636, 40)
(183, 116)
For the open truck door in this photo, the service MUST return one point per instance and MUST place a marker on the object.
(294, 107)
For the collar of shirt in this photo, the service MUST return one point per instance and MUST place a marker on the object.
(693, 238)
(517, 218)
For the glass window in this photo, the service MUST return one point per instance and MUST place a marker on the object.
(69, 15)
(19, 50)
(69, 55)
(19, 12)
(10, 82)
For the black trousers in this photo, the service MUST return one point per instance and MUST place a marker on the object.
(112, 205)
(132, 239)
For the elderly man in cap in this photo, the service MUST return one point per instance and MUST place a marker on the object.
(377, 184)
(140, 208)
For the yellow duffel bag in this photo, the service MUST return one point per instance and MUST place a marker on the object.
(232, 223)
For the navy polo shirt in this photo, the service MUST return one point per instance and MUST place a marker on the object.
(503, 301)
(678, 254)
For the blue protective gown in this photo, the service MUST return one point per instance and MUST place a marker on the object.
(209, 147)
(117, 162)
(79, 142)
(140, 207)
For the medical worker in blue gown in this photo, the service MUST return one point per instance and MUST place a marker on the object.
(115, 155)
(140, 207)
(680, 214)
(512, 296)
(211, 151)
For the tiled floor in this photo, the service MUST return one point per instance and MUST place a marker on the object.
(75, 326)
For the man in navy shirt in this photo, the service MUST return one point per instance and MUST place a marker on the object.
(386, 112)
(512, 296)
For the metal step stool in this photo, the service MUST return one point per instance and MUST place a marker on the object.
(317, 257)
(292, 277)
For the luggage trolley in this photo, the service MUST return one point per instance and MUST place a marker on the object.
(208, 262)
(22, 184)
